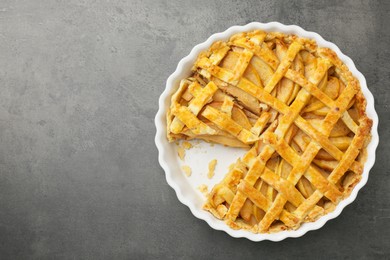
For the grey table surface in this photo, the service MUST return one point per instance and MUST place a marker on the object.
(79, 82)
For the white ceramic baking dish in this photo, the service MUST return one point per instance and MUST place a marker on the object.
(199, 156)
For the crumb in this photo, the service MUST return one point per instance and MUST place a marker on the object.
(181, 149)
(186, 145)
(212, 165)
(204, 189)
(181, 152)
(211, 144)
(187, 170)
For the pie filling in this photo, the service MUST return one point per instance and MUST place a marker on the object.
(297, 109)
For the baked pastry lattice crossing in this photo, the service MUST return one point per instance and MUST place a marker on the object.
(299, 111)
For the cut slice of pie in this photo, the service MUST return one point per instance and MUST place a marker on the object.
(297, 109)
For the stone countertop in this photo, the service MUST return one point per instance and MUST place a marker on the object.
(79, 176)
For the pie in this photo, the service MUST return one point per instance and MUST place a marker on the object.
(299, 112)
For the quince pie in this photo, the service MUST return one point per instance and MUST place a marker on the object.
(297, 109)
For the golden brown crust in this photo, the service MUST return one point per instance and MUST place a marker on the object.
(300, 110)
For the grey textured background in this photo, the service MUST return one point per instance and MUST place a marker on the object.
(79, 82)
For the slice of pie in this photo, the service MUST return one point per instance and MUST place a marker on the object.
(297, 109)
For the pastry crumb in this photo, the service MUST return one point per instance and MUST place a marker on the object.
(187, 145)
(181, 149)
(181, 152)
(187, 170)
(212, 165)
(204, 189)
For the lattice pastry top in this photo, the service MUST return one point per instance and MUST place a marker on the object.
(299, 111)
